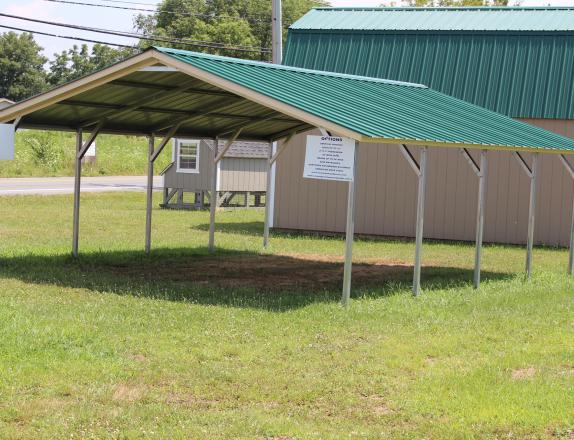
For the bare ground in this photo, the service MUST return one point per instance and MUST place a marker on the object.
(267, 272)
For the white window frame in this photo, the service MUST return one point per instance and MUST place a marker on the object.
(180, 142)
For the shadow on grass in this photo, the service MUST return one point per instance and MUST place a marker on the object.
(254, 228)
(238, 279)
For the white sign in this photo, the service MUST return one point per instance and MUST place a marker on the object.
(7, 141)
(329, 158)
(91, 152)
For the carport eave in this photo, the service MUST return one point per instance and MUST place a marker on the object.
(73, 88)
(180, 134)
(428, 143)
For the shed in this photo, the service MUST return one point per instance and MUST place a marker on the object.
(518, 61)
(242, 173)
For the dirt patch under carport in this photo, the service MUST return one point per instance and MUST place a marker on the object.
(267, 272)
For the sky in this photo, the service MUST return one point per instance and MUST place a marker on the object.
(119, 19)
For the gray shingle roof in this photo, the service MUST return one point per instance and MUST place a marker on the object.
(242, 149)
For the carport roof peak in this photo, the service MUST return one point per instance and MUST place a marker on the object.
(187, 53)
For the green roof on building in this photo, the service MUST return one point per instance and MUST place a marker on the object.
(501, 19)
(524, 68)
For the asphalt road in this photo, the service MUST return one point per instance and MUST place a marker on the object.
(65, 185)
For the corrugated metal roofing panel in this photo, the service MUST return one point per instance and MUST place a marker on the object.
(377, 109)
(517, 19)
(526, 76)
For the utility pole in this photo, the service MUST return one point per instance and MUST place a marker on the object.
(277, 32)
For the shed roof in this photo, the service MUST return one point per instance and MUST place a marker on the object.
(239, 149)
(499, 19)
(276, 100)
(244, 149)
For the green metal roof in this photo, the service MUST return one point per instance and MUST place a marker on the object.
(505, 19)
(520, 74)
(378, 109)
(206, 96)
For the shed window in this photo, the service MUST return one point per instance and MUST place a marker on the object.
(188, 156)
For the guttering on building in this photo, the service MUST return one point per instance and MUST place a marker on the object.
(516, 61)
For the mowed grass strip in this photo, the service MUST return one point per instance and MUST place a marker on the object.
(119, 344)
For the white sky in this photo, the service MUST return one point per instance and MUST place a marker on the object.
(121, 20)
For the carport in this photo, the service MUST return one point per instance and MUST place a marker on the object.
(164, 93)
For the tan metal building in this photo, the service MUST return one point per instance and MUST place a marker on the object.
(241, 173)
(387, 195)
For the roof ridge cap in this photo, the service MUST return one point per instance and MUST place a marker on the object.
(287, 68)
(443, 8)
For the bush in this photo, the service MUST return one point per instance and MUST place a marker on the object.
(45, 150)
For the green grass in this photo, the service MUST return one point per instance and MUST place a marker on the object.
(97, 348)
(44, 154)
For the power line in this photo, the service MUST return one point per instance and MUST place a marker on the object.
(129, 3)
(186, 42)
(155, 11)
(66, 37)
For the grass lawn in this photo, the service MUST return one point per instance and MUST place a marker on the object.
(183, 345)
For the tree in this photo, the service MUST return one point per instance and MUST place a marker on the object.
(78, 61)
(236, 23)
(21, 66)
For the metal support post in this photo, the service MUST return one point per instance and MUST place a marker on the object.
(570, 169)
(480, 216)
(213, 198)
(81, 149)
(349, 234)
(531, 214)
(481, 172)
(420, 221)
(532, 173)
(77, 183)
(149, 198)
(267, 198)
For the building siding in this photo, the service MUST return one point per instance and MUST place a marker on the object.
(236, 174)
(387, 195)
(193, 181)
(239, 174)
